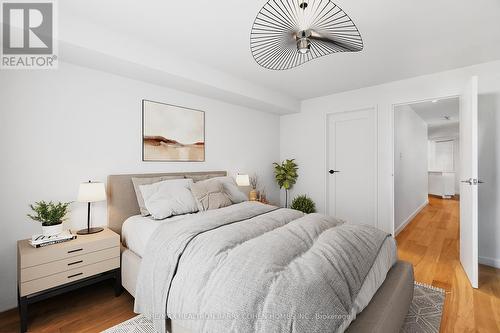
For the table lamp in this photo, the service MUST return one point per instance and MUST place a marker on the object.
(91, 192)
(242, 180)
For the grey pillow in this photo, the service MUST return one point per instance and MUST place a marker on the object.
(209, 194)
(231, 188)
(147, 181)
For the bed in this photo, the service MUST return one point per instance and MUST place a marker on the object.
(383, 299)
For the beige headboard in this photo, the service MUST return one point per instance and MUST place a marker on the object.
(122, 202)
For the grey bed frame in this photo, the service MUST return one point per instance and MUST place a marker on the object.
(385, 313)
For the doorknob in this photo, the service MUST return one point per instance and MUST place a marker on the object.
(333, 171)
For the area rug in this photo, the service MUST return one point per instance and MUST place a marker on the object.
(424, 315)
(426, 310)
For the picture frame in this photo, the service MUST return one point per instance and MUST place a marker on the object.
(172, 133)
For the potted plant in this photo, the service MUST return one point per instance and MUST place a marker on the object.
(286, 175)
(304, 204)
(51, 215)
(252, 196)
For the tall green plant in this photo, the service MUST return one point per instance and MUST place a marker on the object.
(49, 213)
(286, 175)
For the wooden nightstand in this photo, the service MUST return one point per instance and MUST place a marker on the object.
(52, 270)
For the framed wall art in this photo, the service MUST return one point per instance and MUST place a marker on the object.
(172, 133)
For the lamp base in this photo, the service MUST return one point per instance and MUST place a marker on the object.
(88, 231)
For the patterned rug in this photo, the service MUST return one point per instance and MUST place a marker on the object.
(424, 315)
(426, 310)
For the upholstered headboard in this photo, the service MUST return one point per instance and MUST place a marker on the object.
(122, 201)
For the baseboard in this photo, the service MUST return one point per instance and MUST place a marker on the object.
(411, 217)
(489, 262)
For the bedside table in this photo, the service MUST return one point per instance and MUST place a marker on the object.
(55, 269)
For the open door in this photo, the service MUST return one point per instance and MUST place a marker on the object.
(469, 181)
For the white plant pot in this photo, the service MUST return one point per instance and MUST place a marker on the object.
(52, 230)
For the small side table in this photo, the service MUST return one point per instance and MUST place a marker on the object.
(55, 269)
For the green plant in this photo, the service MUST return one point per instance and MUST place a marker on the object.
(286, 175)
(49, 213)
(304, 204)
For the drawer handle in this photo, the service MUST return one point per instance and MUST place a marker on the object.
(75, 250)
(74, 275)
(76, 262)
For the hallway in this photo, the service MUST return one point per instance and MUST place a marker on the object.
(431, 243)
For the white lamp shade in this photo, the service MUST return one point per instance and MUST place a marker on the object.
(242, 180)
(91, 192)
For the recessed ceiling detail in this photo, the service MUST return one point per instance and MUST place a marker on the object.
(289, 33)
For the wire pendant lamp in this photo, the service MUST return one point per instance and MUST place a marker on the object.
(288, 33)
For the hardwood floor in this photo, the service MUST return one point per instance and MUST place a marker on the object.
(90, 309)
(431, 243)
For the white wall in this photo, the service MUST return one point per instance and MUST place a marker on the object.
(410, 165)
(59, 128)
(303, 135)
(450, 132)
(489, 169)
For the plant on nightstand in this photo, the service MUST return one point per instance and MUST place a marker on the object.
(51, 215)
(253, 192)
(304, 204)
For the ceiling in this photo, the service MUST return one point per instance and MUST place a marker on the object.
(402, 39)
(434, 112)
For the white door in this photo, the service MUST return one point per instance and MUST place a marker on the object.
(469, 181)
(352, 166)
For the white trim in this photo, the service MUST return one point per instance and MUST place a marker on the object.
(489, 262)
(411, 217)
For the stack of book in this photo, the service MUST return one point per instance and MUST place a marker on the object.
(41, 240)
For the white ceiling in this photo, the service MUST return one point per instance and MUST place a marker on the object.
(434, 113)
(402, 39)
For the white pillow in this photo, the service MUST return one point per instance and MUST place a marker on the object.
(169, 198)
(231, 189)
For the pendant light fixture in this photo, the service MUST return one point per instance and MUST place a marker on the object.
(288, 33)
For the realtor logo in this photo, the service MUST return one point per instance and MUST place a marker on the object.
(28, 35)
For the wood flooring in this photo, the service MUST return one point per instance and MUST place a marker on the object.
(90, 309)
(430, 242)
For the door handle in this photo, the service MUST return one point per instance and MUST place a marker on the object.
(333, 171)
(468, 181)
(473, 181)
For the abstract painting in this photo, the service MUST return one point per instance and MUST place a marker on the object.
(172, 133)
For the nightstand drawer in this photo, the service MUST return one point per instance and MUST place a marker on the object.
(33, 286)
(39, 271)
(80, 246)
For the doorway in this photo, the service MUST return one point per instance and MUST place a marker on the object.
(440, 152)
(426, 156)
